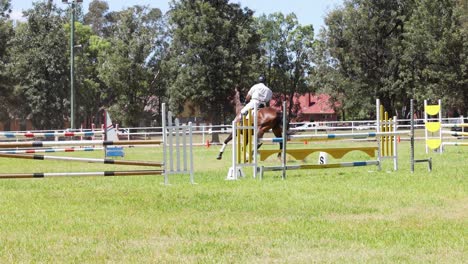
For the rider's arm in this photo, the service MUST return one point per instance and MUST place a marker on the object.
(247, 98)
(249, 94)
(268, 97)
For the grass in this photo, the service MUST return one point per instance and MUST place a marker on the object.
(336, 215)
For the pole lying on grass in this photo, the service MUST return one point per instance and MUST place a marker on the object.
(76, 174)
(87, 160)
(455, 144)
(39, 144)
(455, 134)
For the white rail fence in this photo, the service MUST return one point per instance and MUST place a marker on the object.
(203, 133)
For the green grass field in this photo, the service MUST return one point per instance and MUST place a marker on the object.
(334, 215)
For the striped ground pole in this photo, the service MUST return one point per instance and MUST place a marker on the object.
(40, 144)
(455, 134)
(460, 144)
(87, 160)
(50, 134)
(49, 150)
(80, 174)
(455, 125)
(323, 166)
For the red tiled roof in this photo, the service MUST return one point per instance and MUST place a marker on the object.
(316, 104)
(313, 104)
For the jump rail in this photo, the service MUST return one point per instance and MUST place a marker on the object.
(386, 136)
(86, 160)
(81, 174)
(49, 150)
(386, 148)
(40, 144)
(177, 153)
(51, 134)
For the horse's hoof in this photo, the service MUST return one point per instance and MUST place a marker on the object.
(219, 157)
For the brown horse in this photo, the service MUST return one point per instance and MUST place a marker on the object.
(267, 118)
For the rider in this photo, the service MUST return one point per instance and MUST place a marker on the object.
(259, 95)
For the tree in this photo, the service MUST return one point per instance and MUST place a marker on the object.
(40, 67)
(90, 90)
(6, 85)
(129, 68)
(5, 9)
(96, 16)
(463, 5)
(364, 44)
(394, 50)
(327, 77)
(288, 51)
(436, 54)
(213, 50)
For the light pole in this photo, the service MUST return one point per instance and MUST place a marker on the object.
(72, 59)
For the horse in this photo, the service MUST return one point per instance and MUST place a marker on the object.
(267, 118)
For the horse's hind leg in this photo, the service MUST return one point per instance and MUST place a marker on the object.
(226, 141)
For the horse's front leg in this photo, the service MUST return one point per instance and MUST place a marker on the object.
(226, 141)
(261, 131)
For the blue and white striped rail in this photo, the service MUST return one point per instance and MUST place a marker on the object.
(50, 134)
(49, 150)
(336, 136)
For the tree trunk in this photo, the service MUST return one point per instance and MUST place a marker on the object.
(216, 119)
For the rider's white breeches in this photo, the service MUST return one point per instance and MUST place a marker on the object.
(249, 105)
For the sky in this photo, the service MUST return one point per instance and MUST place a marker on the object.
(307, 11)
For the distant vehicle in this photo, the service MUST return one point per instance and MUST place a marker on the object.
(456, 125)
(226, 130)
(367, 126)
(124, 133)
(307, 126)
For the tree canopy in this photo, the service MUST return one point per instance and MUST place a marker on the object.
(287, 55)
(40, 67)
(394, 50)
(213, 50)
